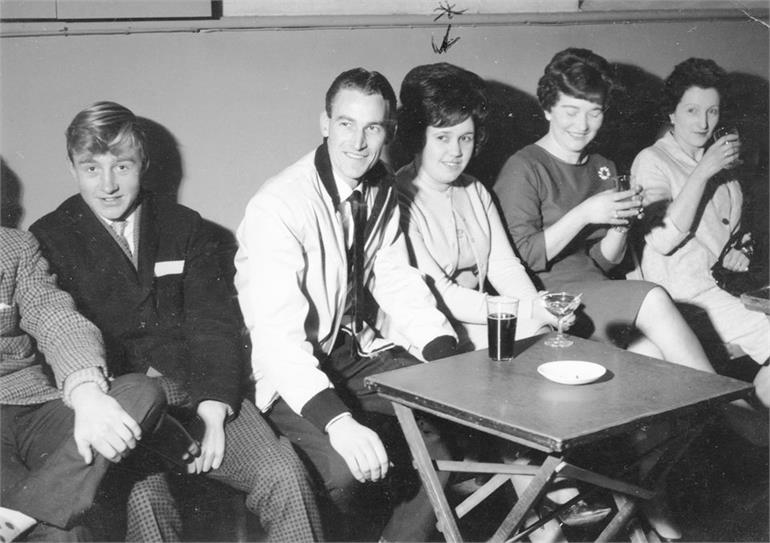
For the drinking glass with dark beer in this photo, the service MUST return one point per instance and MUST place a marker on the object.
(501, 326)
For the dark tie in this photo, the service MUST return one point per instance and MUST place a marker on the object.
(120, 227)
(356, 257)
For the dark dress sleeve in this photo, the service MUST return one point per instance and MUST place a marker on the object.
(518, 190)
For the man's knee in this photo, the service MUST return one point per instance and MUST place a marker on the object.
(339, 482)
(150, 493)
(152, 512)
(141, 397)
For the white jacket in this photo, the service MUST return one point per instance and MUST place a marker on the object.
(291, 276)
(681, 261)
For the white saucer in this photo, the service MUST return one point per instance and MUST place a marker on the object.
(571, 372)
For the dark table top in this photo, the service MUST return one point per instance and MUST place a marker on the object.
(513, 400)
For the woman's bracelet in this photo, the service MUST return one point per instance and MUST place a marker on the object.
(620, 229)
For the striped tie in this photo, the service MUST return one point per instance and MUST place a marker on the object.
(120, 227)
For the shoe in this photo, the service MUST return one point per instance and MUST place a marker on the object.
(469, 486)
(661, 519)
(172, 443)
(580, 513)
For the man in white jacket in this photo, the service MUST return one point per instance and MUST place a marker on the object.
(313, 341)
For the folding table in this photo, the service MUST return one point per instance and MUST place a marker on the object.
(513, 401)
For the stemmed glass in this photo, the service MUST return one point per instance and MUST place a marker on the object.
(561, 305)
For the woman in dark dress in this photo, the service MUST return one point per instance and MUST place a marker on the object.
(570, 225)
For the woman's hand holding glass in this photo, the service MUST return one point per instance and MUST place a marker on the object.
(612, 207)
(723, 154)
(541, 314)
(563, 306)
(731, 137)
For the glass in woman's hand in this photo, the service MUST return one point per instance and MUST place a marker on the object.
(722, 131)
(624, 182)
(560, 305)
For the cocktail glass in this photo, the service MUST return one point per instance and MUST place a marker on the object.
(561, 305)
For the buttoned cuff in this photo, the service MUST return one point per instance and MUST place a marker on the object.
(81, 377)
(322, 408)
(335, 419)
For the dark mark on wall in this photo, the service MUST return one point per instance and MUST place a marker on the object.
(445, 8)
(446, 43)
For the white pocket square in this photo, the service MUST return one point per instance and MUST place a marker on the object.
(169, 267)
(4, 306)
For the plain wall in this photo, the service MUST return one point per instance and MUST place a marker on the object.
(242, 105)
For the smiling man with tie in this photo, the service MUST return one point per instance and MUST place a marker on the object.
(321, 261)
(149, 274)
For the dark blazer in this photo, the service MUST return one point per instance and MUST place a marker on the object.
(175, 313)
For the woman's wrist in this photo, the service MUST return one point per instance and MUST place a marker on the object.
(699, 177)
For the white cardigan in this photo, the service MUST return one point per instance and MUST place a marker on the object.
(291, 276)
(429, 215)
(681, 261)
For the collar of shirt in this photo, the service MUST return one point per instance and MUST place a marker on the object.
(130, 229)
(346, 213)
(344, 190)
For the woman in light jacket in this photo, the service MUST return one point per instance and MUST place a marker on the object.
(693, 205)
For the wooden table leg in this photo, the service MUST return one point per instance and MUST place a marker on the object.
(625, 513)
(628, 505)
(424, 465)
(524, 503)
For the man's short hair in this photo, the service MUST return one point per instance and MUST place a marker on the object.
(105, 127)
(366, 81)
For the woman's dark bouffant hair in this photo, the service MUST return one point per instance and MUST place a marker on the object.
(693, 72)
(579, 73)
(439, 94)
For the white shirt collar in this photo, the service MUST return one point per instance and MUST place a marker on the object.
(344, 190)
(130, 229)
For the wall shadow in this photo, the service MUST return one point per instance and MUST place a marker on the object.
(514, 121)
(165, 172)
(633, 120)
(164, 177)
(747, 108)
(11, 210)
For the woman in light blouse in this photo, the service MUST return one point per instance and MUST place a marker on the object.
(454, 232)
(694, 206)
